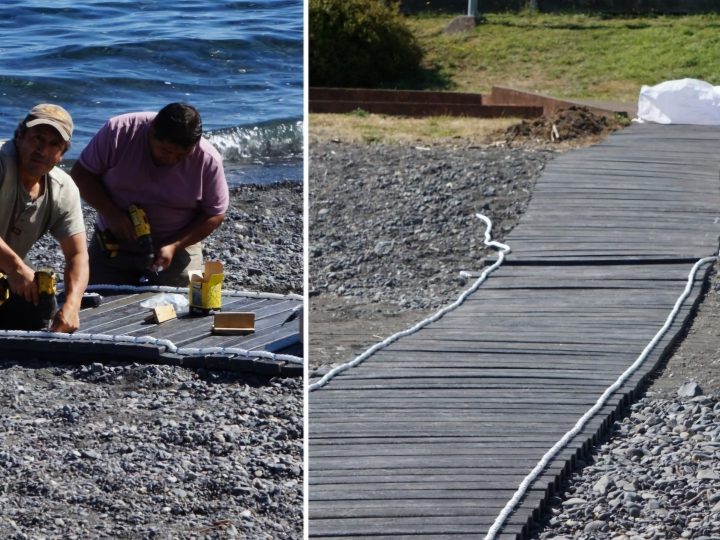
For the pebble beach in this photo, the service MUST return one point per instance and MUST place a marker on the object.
(126, 451)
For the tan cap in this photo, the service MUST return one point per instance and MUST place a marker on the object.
(52, 115)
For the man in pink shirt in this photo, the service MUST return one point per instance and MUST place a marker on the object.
(160, 163)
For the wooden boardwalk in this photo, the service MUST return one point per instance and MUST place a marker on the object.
(431, 436)
(118, 329)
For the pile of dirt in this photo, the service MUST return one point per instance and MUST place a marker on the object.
(572, 123)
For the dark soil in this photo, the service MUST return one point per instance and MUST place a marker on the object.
(575, 123)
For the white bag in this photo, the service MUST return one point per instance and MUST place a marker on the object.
(683, 101)
(178, 301)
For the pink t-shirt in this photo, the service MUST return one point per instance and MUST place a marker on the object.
(172, 196)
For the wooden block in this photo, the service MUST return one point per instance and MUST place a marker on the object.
(233, 323)
(163, 313)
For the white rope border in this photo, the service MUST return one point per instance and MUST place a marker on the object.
(166, 343)
(381, 345)
(602, 400)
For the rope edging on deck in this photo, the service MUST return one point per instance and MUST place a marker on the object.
(504, 248)
(599, 404)
(168, 345)
(160, 288)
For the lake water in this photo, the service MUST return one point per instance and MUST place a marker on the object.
(239, 63)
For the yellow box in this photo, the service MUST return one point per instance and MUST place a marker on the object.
(205, 288)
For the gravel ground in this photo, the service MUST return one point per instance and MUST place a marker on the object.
(130, 451)
(391, 228)
(657, 477)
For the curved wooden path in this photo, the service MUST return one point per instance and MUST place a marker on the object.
(431, 436)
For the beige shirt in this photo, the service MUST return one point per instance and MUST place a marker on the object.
(22, 220)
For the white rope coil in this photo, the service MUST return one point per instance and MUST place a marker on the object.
(381, 345)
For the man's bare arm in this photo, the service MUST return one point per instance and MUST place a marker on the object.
(94, 193)
(77, 271)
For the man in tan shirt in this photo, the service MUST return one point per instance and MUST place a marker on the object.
(36, 197)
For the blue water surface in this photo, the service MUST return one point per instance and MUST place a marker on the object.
(239, 63)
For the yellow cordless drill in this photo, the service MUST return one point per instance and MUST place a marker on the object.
(142, 234)
(142, 230)
(108, 242)
(4, 289)
(47, 299)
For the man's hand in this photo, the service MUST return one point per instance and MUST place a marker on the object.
(67, 319)
(22, 283)
(163, 258)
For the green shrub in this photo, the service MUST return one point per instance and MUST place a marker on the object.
(363, 43)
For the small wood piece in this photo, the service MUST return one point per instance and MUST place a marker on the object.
(233, 323)
(163, 313)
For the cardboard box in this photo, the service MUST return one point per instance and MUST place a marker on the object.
(205, 288)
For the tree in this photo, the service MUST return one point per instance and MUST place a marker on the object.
(362, 43)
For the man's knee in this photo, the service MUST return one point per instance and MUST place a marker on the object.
(185, 260)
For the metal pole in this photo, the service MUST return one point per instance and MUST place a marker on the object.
(472, 8)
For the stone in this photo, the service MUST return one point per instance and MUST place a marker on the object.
(595, 527)
(707, 474)
(574, 501)
(460, 25)
(689, 389)
(602, 486)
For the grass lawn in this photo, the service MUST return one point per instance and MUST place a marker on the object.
(370, 128)
(572, 55)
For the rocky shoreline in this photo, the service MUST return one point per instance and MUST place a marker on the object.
(392, 227)
(122, 450)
